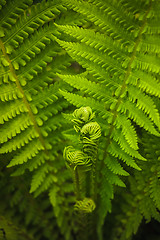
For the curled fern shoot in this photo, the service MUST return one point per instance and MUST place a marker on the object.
(75, 158)
(83, 162)
(82, 116)
(90, 134)
(87, 205)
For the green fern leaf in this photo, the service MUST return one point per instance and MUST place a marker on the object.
(11, 109)
(138, 116)
(39, 177)
(52, 195)
(116, 151)
(29, 151)
(154, 190)
(145, 103)
(120, 139)
(19, 141)
(145, 82)
(79, 101)
(9, 92)
(14, 127)
(115, 166)
(91, 88)
(10, 12)
(128, 130)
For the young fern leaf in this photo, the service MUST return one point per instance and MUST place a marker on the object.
(83, 165)
(86, 206)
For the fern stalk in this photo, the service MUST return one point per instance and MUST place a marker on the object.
(76, 181)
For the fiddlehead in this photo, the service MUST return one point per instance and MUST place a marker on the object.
(84, 210)
(75, 158)
(83, 162)
(87, 205)
(82, 116)
(90, 134)
(78, 162)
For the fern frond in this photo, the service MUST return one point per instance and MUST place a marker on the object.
(31, 150)
(151, 151)
(33, 18)
(31, 106)
(100, 18)
(145, 103)
(128, 130)
(149, 44)
(143, 199)
(39, 176)
(14, 127)
(19, 141)
(31, 165)
(9, 92)
(44, 99)
(138, 116)
(94, 39)
(71, 17)
(101, 61)
(116, 151)
(17, 65)
(105, 203)
(80, 101)
(154, 186)
(145, 82)
(94, 52)
(12, 109)
(11, 11)
(120, 139)
(115, 166)
(91, 88)
(34, 45)
(111, 50)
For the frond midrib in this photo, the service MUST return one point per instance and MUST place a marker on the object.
(26, 103)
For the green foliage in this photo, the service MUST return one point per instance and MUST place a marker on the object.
(11, 232)
(117, 83)
(31, 106)
(142, 199)
(58, 55)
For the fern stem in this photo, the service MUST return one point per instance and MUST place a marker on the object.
(89, 184)
(94, 178)
(31, 115)
(77, 184)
